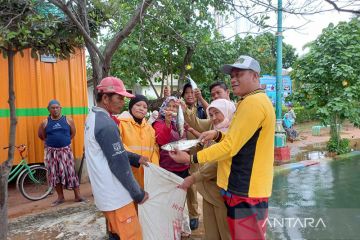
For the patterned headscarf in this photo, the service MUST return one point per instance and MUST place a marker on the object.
(164, 106)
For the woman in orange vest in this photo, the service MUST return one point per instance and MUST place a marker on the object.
(137, 135)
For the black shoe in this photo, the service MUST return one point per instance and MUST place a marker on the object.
(113, 236)
(194, 223)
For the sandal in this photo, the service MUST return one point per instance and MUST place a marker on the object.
(81, 200)
(57, 202)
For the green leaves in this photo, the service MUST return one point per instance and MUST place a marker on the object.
(327, 76)
(31, 24)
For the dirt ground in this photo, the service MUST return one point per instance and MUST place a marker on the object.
(38, 220)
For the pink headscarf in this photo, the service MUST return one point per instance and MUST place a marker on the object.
(227, 108)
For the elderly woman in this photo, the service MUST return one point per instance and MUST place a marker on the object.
(220, 112)
(166, 132)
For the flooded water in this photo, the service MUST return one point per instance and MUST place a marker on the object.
(317, 202)
(311, 155)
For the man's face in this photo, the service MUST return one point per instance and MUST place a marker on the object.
(189, 96)
(55, 110)
(218, 92)
(242, 81)
(115, 103)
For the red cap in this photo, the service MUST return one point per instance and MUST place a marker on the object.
(113, 85)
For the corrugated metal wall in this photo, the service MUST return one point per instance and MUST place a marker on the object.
(36, 83)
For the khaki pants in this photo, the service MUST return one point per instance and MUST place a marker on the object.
(191, 196)
(124, 222)
(215, 223)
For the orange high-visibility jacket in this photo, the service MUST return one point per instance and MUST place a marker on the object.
(139, 139)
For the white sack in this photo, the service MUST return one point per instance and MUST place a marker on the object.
(162, 216)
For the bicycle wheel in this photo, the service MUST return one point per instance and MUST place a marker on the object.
(35, 187)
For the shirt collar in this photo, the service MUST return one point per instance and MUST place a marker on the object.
(259, 90)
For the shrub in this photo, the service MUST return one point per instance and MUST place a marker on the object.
(338, 146)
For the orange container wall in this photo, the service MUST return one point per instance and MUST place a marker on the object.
(36, 83)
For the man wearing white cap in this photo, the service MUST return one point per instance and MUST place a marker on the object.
(112, 181)
(245, 154)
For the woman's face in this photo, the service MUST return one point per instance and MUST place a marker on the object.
(172, 107)
(139, 109)
(189, 96)
(216, 116)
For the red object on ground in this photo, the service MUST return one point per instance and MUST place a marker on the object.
(282, 154)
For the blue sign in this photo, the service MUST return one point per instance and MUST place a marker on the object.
(269, 84)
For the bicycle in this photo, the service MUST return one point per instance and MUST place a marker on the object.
(31, 180)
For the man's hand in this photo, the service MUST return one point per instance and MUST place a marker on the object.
(188, 181)
(146, 197)
(180, 156)
(208, 136)
(197, 93)
(144, 161)
(166, 91)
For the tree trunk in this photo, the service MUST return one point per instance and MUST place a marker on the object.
(162, 85)
(3, 206)
(6, 166)
(334, 130)
(187, 60)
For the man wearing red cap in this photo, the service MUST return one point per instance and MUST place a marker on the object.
(113, 184)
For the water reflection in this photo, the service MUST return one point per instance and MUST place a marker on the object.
(310, 155)
(329, 191)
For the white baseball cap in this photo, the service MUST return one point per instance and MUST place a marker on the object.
(243, 62)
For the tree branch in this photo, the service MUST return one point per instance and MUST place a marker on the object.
(81, 28)
(120, 36)
(19, 15)
(336, 7)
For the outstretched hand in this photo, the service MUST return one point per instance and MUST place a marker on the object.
(180, 156)
(208, 136)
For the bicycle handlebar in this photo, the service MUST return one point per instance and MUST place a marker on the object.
(19, 146)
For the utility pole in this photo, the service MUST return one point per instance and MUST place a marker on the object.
(282, 152)
(279, 82)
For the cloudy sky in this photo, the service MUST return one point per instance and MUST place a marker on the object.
(298, 30)
(310, 31)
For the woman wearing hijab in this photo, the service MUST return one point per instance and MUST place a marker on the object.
(220, 112)
(166, 132)
(137, 134)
